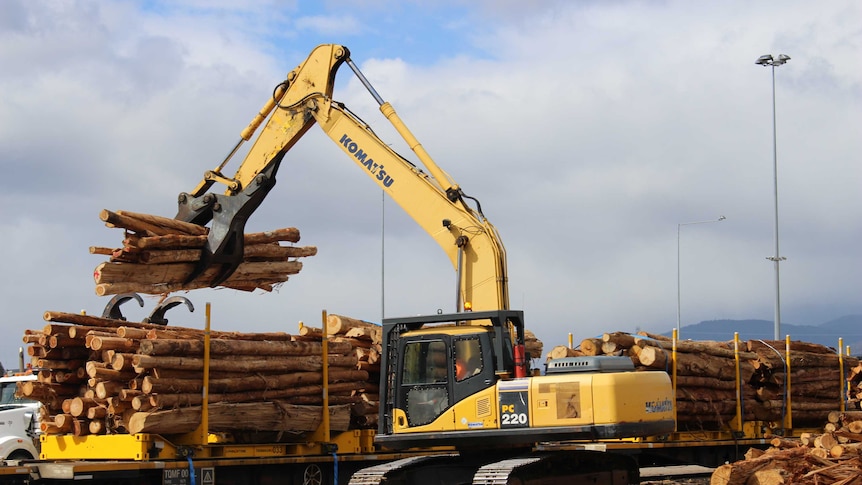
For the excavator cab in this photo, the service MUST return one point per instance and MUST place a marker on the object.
(435, 362)
(439, 369)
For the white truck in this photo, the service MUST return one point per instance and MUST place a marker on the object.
(19, 421)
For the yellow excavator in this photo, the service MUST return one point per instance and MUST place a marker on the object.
(459, 381)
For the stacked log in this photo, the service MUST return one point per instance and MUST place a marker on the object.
(532, 345)
(815, 384)
(105, 376)
(854, 385)
(365, 338)
(159, 254)
(561, 351)
(834, 456)
(706, 396)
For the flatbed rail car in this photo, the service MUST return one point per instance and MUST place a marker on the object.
(332, 458)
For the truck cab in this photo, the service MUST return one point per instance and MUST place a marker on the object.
(19, 421)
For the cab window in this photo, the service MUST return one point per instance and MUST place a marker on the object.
(468, 358)
(424, 381)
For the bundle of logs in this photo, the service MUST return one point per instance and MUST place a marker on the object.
(833, 457)
(706, 376)
(532, 345)
(99, 375)
(158, 255)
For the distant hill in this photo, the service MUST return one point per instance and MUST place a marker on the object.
(848, 327)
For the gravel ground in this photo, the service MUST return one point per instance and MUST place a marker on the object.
(685, 481)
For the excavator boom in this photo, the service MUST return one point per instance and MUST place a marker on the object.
(432, 199)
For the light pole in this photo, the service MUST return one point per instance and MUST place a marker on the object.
(768, 60)
(678, 299)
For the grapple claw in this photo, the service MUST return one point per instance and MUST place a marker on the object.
(157, 317)
(112, 309)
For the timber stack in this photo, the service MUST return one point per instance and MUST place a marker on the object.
(105, 376)
(706, 373)
(158, 255)
(833, 457)
(532, 345)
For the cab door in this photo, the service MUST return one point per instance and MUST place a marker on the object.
(423, 384)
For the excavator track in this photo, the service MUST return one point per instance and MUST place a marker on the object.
(559, 469)
(384, 472)
(554, 468)
(498, 473)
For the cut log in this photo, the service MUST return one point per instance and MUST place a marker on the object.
(113, 343)
(171, 275)
(561, 351)
(619, 339)
(91, 321)
(769, 346)
(591, 346)
(163, 401)
(225, 417)
(290, 234)
(532, 345)
(153, 385)
(79, 406)
(654, 357)
(339, 324)
(371, 334)
(221, 346)
(151, 224)
(261, 363)
(738, 473)
(100, 370)
(306, 331)
(277, 252)
(132, 332)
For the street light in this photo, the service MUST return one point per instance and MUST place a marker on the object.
(678, 226)
(768, 60)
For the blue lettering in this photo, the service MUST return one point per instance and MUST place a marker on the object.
(361, 156)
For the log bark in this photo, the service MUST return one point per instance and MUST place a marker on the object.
(91, 321)
(170, 226)
(175, 274)
(290, 234)
(717, 349)
(591, 346)
(79, 406)
(162, 401)
(309, 363)
(233, 347)
(114, 343)
(561, 351)
(339, 324)
(767, 346)
(277, 252)
(153, 385)
(654, 357)
(619, 339)
(225, 417)
(738, 473)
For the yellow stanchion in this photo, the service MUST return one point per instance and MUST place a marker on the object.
(841, 370)
(738, 378)
(788, 417)
(673, 376)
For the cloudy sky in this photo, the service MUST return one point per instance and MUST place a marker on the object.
(588, 130)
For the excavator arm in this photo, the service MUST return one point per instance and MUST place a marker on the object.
(431, 198)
